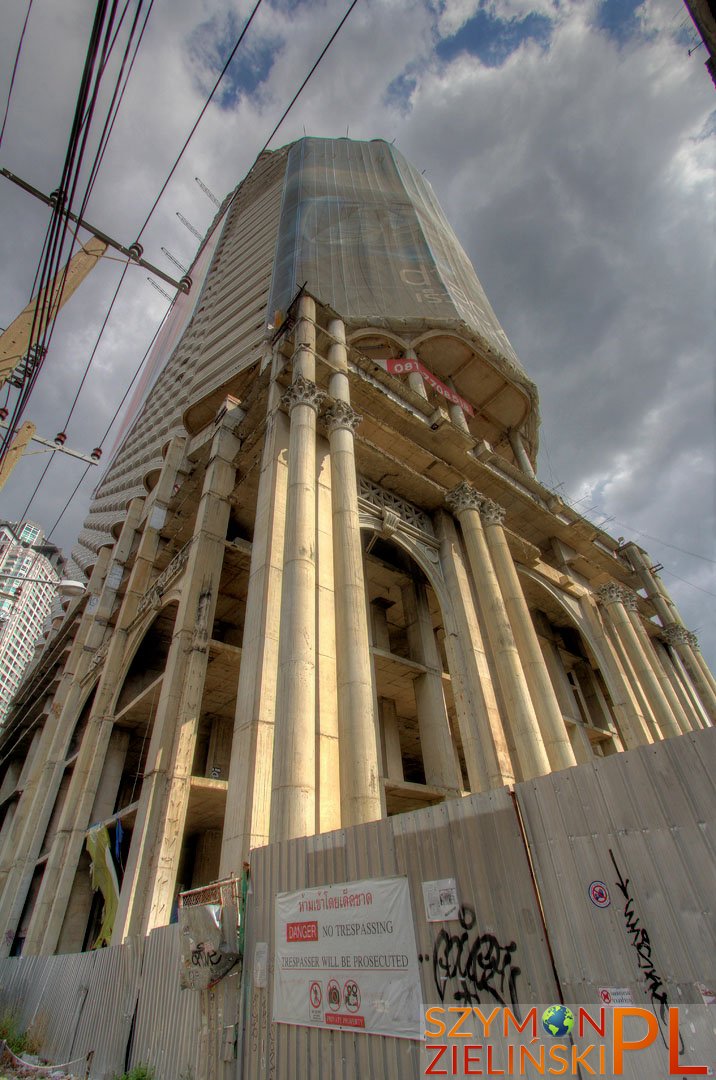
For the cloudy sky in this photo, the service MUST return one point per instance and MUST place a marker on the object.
(571, 145)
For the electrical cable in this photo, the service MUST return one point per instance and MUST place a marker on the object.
(200, 116)
(295, 97)
(121, 83)
(58, 226)
(699, 587)
(14, 70)
(173, 169)
(64, 508)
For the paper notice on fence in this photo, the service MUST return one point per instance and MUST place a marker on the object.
(346, 959)
(441, 903)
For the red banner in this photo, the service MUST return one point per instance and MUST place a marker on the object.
(403, 365)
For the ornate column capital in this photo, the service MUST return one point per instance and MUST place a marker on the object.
(629, 599)
(303, 392)
(611, 593)
(341, 417)
(492, 513)
(675, 634)
(463, 497)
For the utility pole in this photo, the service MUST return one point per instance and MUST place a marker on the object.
(17, 449)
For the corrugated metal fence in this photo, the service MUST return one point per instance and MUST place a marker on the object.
(527, 870)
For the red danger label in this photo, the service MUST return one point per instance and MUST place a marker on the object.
(302, 931)
(338, 1020)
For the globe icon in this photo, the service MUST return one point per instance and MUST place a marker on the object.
(558, 1021)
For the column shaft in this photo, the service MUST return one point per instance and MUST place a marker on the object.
(360, 788)
(436, 743)
(529, 745)
(158, 837)
(633, 727)
(22, 841)
(487, 756)
(293, 799)
(248, 800)
(615, 598)
(49, 912)
(544, 699)
(671, 700)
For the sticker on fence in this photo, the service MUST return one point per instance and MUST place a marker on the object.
(616, 995)
(599, 894)
(346, 959)
(441, 903)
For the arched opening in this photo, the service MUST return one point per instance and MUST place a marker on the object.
(421, 750)
(576, 675)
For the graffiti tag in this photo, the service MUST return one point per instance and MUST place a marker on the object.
(479, 964)
(641, 943)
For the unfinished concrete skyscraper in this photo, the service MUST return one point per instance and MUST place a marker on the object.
(324, 583)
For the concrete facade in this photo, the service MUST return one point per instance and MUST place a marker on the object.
(325, 587)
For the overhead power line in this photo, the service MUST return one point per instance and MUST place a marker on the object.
(14, 71)
(301, 88)
(208, 101)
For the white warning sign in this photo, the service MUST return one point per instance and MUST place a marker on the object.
(616, 995)
(346, 959)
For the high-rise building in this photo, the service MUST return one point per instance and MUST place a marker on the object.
(28, 582)
(325, 585)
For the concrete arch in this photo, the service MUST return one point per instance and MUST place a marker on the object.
(574, 612)
(419, 553)
(135, 640)
(378, 331)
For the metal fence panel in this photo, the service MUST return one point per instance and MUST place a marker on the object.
(76, 1003)
(168, 1024)
(478, 842)
(642, 823)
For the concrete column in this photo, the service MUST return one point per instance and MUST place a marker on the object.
(487, 757)
(465, 502)
(149, 886)
(630, 718)
(358, 737)
(53, 897)
(111, 777)
(293, 796)
(518, 448)
(435, 737)
(681, 686)
(682, 641)
(544, 699)
(25, 835)
(456, 413)
(248, 800)
(415, 379)
(328, 795)
(615, 598)
(671, 698)
(392, 754)
(705, 669)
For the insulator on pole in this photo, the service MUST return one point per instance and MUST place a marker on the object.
(61, 438)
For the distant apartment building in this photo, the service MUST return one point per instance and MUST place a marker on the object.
(27, 588)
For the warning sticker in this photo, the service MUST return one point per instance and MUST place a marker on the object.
(616, 995)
